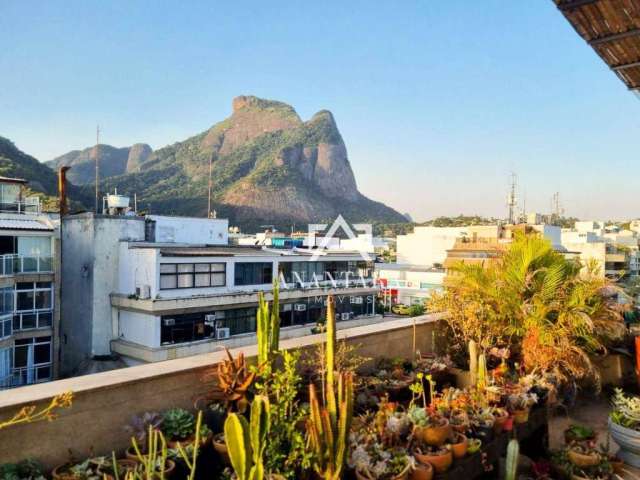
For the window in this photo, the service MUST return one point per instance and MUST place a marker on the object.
(192, 275)
(6, 323)
(5, 367)
(32, 360)
(32, 296)
(253, 273)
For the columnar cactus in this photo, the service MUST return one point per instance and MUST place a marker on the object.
(473, 362)
(246, 441)
(268, 326)
(513, 451)
(329, 426)
(482, 372)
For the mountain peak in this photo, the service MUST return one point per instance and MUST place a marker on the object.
(250, 102)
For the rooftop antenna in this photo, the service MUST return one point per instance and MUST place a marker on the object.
(210, 185)
(97, 165)
(511, 198)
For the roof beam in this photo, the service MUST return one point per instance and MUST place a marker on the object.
(635, 32)
(624, 66)
(573, 4)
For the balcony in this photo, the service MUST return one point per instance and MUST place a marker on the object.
(30, 205)
(105, 402)
(32, 320)
(13, 264)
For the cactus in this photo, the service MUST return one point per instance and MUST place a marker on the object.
(329, 426)
(473, 362)
(246, 441)
(268, 327)
(482, 372)
(511, 467)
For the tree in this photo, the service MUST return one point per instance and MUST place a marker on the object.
(537, 302)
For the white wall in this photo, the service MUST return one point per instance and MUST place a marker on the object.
(210, 231)
(139, 328)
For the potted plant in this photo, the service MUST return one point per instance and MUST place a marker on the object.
(481, 424)
(503, 421)
(579, 433)
(421, 471)
(429, 426)
(24, 470)
(89, 469)
(582, 456)
(624, 425)
(139, 428)
(520, 404)
(179, 427)
(440, 457)
(473, 445)
(373, 461)
(459, 445)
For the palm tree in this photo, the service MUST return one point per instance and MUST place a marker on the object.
(553, 310)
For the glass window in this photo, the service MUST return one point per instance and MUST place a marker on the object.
(168, 281)
(43, 299)
(168, 268)
(249, 273)
(25, 300)
(189, 275)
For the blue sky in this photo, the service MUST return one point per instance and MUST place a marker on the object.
(437, 101)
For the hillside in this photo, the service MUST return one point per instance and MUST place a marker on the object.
(269, 167)
(113, 161)
(42, 180)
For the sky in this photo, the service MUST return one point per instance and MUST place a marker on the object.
(437, 102)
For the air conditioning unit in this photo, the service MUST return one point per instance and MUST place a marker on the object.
(169, 322)
(222, 333)
(345, 316)
(143, 292)
(301, 307)
(210, 320)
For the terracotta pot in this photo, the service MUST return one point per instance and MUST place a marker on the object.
(499, 423)
(508, 424)
(459, 449)
(435, 436)
(440, 463)
(60, 473)
(130, 453)
(521, 416)
(187, 442)
(422, 472)
(221, 447)
(126, 464)
(402, 476)
(583, 460)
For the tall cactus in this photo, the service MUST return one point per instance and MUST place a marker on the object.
(268, 326)
(329, 426)
(473, 362)
(482, 372)
(511, 464)
(246, 441)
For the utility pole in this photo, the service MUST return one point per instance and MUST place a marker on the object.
(210, 185)
(97, 166)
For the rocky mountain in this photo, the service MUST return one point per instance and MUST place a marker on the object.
(113, 161)
(269, 167)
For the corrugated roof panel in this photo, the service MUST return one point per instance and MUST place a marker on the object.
(26, 224)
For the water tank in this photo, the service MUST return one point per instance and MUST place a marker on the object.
(117, 201)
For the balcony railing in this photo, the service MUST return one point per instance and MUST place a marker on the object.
(28, 205)
(30, 375)
(12, 264)
(32, 320)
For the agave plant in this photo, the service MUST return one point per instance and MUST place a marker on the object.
(234, 379)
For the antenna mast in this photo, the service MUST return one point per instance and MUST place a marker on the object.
(511, 199)
(210, 185)
(97, 166)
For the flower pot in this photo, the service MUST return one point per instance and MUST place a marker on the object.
(583, 460)
(473, 445)
(422, 472)
(435, 436)
(629, 441)
(500, 422)
(404, 475)
(521, 416)
(484, 433)
(459, 449)
(508, 424)
(220, 446)
(61, 473)
(440, 463)
(126, 464)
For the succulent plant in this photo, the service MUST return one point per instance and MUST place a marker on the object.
(139, 426)
(178, 424)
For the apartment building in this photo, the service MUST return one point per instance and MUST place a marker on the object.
(29, 313)
(408, 284)
(612, 250)
(156, 288)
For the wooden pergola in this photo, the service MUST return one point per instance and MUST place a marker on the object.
(612, 29)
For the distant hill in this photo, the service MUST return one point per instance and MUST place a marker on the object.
(42, 180)
(113, 161)
(269, 167)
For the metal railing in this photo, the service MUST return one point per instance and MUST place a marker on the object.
(32, 320)
(28, 205)
(14, 263)
(28, 375)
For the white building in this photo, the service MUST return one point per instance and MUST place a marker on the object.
(408, 284)
(134, 293)
(28, 307)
